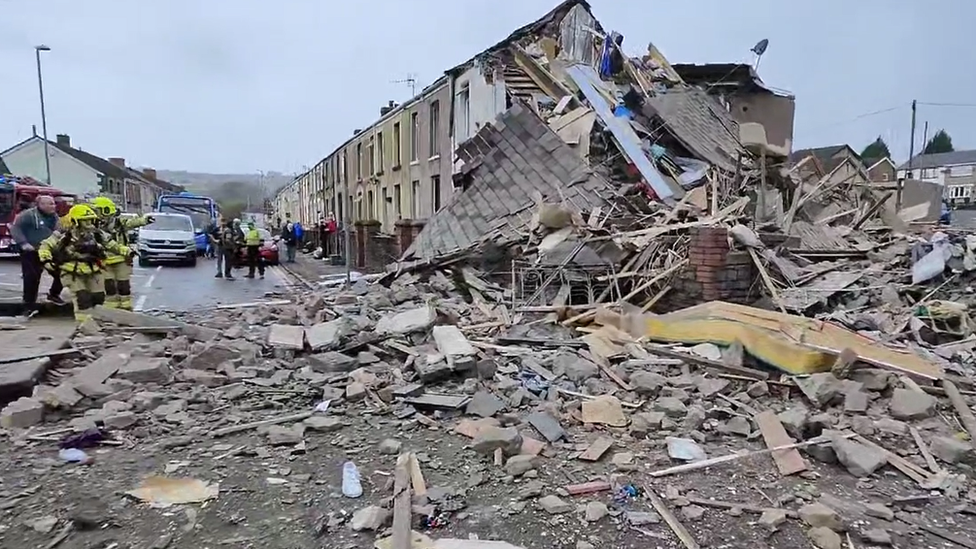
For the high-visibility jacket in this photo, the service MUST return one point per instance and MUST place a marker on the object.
(79, 251)
(118, 229)
(252, 238)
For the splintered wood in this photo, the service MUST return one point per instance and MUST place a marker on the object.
(788, 461)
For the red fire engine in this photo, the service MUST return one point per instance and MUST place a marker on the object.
(18, 194)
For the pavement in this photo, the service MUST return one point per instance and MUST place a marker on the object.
(313, 270)
(174, 288)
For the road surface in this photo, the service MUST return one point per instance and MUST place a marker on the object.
(172, 288)
(964, 219)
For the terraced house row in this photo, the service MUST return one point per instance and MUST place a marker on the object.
(399, 170)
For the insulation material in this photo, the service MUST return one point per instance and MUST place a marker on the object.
(793, 344)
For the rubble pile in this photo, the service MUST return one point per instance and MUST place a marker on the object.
(616, 329)
(592, 420)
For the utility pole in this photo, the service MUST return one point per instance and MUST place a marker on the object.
(40, 88)
(346, 227)
(911, 158)
(925, 133)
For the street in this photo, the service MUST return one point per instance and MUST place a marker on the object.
(964, 219)
(173, 288)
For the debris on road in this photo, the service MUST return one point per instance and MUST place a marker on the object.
(631, 337)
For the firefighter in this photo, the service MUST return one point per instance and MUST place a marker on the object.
(77, 254)
(118, 268)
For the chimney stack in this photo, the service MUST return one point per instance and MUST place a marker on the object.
(63, 139)
(116, 161)
(390, 105)
(149, 173)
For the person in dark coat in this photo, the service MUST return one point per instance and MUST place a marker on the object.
(31, 227)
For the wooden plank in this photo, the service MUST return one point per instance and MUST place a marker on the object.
(417, 477)
(672, 521)
(401, 503)
(284, 336)
(924, 450)
(597, 449)
(788, 462)
(966, 416)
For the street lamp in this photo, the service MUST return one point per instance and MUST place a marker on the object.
(40, 89)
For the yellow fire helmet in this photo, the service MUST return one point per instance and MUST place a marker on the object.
(81, 212)
(104, 206)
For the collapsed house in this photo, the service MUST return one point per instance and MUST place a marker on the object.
(621, 182)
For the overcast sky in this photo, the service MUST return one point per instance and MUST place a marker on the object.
(247, 85)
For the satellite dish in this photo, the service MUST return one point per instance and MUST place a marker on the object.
(760, 47)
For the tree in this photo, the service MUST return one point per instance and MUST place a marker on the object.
(940, 143)
(231, 209)
(876, 149)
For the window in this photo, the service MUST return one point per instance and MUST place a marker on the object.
(929, 173)
(370, 205)
(380, 152)
(397, 145)
(435, 123)
(385, 205)
(463, 121)
(884, 177)
(397, 206)
(415, 200)
(341, 219)
(414, 137)
(359, 161)
(959, 191)
(435, 183)
(342, 167)
(370, 159)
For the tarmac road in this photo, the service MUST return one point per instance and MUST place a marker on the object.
(173, 288)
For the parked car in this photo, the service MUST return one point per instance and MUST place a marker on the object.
(269, 248)
(169, 238)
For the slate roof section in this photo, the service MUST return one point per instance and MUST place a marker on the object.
(824, 154)
(512, 158)
(700, 123)
(938, 160)
(96, 163)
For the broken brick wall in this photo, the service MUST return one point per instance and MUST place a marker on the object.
(715, 272)
(406, 231)
(373, 250)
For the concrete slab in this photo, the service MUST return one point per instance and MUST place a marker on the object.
(40, 335)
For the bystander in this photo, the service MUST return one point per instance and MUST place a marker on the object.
(29, 229)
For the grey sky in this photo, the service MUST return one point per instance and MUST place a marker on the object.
(246, 85)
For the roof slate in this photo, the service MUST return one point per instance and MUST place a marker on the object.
(513, 158)
(94, 162)
(938, 160)
(701, 124)
(824, 154)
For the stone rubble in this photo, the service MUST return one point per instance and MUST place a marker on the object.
(522, 403)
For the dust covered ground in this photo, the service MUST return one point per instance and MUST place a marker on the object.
(164, 392)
